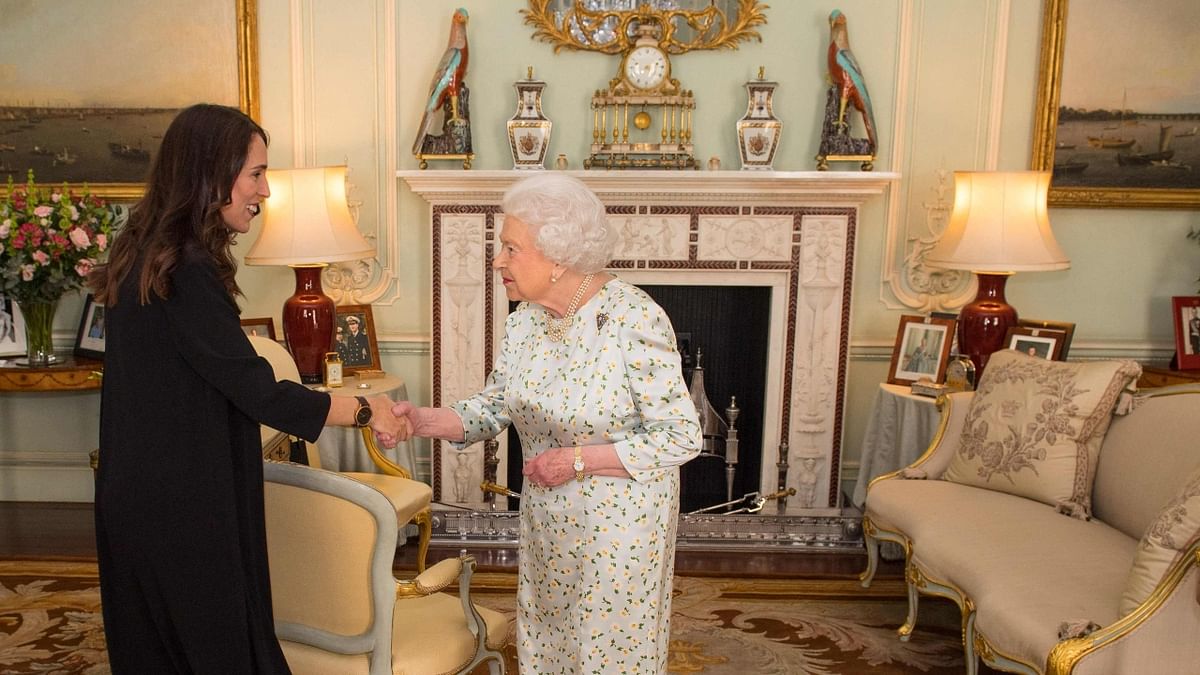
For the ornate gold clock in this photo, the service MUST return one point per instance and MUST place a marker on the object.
(643, 118)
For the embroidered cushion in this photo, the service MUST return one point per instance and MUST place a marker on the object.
(1034, 427)
(1174, 530)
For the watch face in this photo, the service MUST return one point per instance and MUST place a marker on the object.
(362, 416)
(578, 466)
(646, 67)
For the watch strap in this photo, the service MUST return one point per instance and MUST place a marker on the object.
(363, 404)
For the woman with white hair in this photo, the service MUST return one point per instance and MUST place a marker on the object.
(589, 373)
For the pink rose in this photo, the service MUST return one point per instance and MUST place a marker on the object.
(5, 228)
(43, 211)
(84, 267)
(102, 241)
(80, 238)
(41, 258)
(55, 197)
(27, 272)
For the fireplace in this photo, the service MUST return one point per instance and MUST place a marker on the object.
(789, 234)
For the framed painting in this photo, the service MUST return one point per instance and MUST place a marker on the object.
(354, 338)
(922, 349)
(90, 106)
(1187, 331)
(1118, 118)
(264, 327)
(89, 341)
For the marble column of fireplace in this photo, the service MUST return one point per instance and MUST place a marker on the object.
(793, 232)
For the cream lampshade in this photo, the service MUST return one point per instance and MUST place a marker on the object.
(306, 225)
(999, 225)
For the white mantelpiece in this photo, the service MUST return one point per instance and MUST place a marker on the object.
(791, 231)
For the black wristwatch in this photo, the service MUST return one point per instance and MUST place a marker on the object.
(362, 416)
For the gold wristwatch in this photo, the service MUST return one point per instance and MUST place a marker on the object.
(578, 465)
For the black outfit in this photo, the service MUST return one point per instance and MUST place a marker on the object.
(179, 492)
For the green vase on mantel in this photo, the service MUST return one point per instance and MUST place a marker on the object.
(39, 332)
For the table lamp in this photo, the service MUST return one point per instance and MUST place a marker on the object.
(306, 225)
(998, 226)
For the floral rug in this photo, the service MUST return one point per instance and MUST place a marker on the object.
(50, 624)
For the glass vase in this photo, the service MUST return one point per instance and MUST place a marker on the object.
(39, 331)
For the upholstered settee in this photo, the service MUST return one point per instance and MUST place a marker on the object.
(1102, 578)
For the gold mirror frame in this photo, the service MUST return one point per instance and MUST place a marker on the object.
(713, 29)
(1054, 28)
(248, 102)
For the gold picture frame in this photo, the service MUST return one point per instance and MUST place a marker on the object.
(1168, 187)
(111, 148)
(355, 340)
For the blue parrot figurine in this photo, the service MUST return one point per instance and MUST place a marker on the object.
(848, 77)
(448, 79)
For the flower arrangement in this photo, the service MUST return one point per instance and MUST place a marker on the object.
(50, 240)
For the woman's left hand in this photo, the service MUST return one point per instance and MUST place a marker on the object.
(551, 468)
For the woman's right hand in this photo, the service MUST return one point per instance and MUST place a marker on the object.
(441, 423)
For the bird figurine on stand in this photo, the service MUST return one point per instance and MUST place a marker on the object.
(848, 88)
(448, 101)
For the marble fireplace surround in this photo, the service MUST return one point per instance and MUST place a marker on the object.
(791, 231)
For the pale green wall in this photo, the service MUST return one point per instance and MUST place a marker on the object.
(1126, 264)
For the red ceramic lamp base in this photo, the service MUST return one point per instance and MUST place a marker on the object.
(983, 324)
(308, 320)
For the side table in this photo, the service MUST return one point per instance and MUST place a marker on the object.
(1165, 377)
(342, 447)
(70, 373)
(901, 427)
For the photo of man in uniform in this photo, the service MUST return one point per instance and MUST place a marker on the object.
(355, 348)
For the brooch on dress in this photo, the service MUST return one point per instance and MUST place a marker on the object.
(601, 319)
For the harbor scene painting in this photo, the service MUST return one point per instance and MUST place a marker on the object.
(1120, 103)
(84, 107)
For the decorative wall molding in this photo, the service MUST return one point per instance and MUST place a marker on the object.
(917, 214)
(313, 110)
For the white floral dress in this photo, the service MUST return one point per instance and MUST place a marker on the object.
(597, 556)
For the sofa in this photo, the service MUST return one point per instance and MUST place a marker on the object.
(1097, 574)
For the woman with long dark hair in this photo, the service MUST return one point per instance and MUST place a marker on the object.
(179, 491)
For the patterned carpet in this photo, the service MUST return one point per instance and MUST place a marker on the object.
(50, 624)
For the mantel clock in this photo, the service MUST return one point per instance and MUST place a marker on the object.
(643, 118)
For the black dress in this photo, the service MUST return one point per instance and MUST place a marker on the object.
(179, 492)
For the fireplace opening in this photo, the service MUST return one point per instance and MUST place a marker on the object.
(729, 326)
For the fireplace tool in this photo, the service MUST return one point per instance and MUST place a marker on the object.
(751, 502)
(489, 487)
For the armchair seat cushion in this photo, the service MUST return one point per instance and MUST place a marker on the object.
(429, 636)
(407, 496)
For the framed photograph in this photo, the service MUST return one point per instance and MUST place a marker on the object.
(354, 338)
(264, 327)
(90, 340)
(922, 349)
(12, 329)
(1116, 116)
(1036, 342)
(1186, 309)
(1067, 329)
(81, 106)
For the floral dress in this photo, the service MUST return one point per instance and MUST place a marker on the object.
(597, 556)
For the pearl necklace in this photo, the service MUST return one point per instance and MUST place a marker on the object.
(557, 328)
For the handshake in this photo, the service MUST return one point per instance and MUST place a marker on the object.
(395, 422)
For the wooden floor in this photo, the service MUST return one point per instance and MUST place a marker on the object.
(65, 531)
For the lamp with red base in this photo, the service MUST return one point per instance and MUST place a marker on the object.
(999, 226)
(307, 225)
